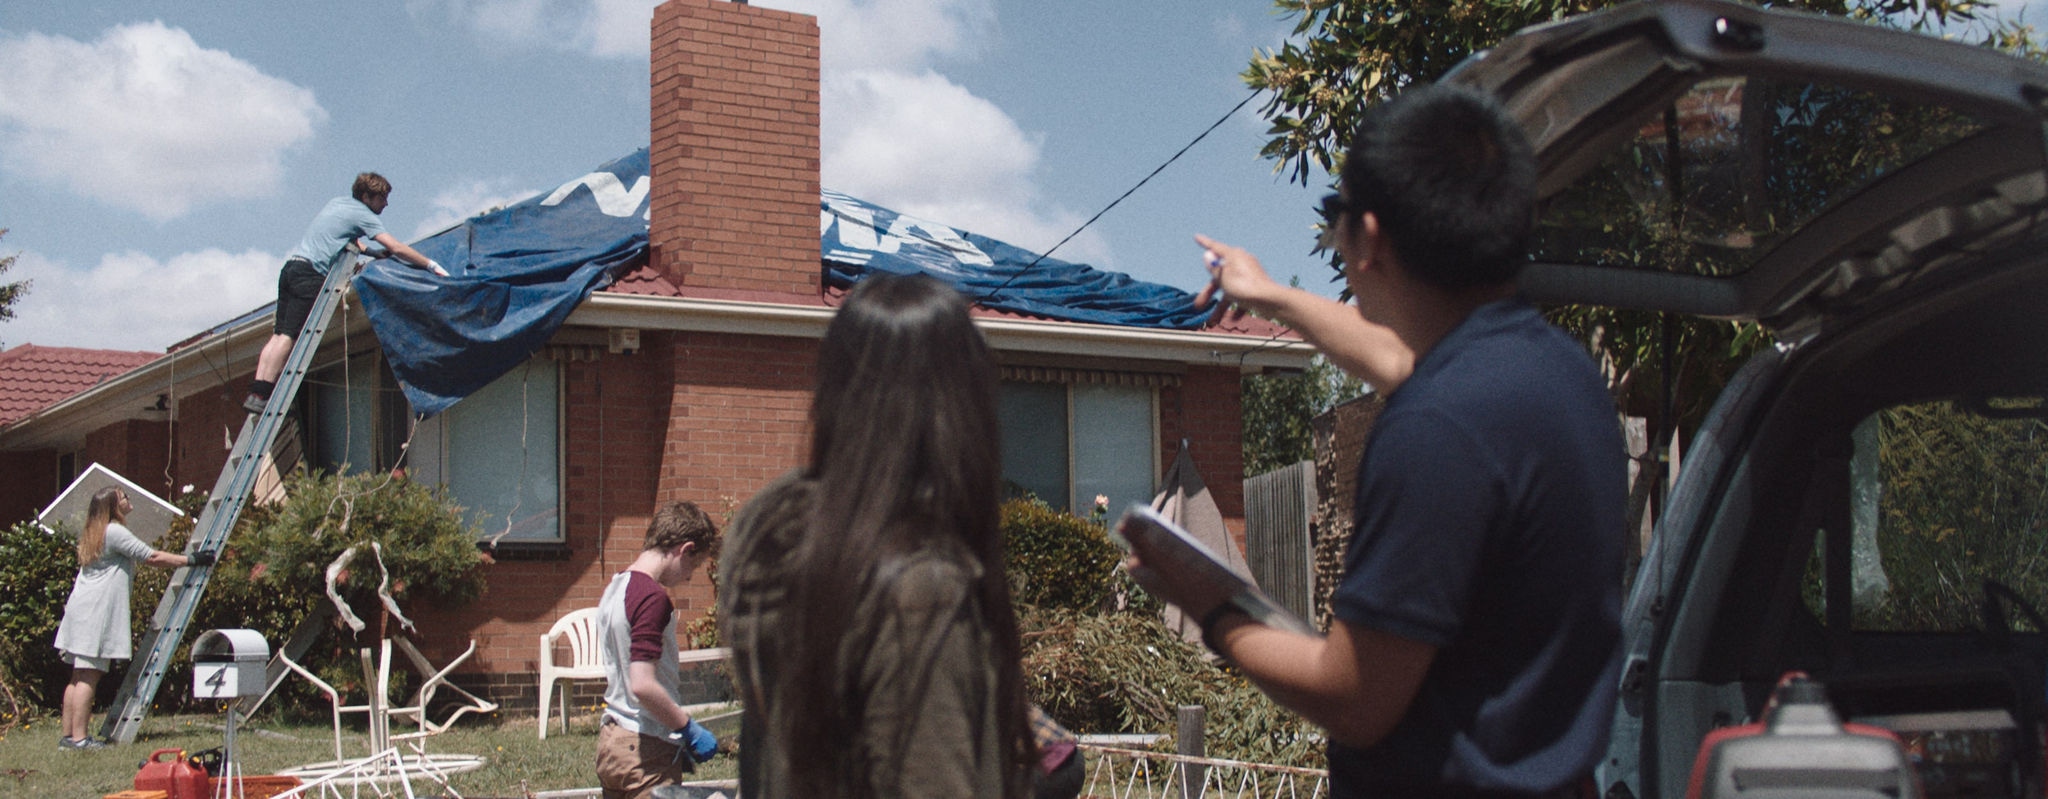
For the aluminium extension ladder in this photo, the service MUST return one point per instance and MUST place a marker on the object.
(237, 479)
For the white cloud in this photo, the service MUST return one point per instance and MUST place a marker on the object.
(898, 133)
(900, 34)
(131, 301)
(462, 202)
(895, 34)
(618, 28)
(895, 131)
(923, 145)
(602, 28)
(146, 119)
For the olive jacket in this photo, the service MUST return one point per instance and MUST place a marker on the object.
(917, 668)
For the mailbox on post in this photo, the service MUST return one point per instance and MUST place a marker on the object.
(228, 664)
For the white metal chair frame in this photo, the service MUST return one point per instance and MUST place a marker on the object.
(423, 699)
(378, 709)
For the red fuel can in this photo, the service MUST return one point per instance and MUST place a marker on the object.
(177, 777)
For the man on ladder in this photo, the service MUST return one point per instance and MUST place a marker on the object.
(308, 290)
(334, 229)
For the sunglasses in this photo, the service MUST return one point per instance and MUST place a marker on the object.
(1334, 208)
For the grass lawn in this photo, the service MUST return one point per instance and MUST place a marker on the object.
(516, 761)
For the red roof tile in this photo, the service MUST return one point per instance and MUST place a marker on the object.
(33, 378)
(644, 280)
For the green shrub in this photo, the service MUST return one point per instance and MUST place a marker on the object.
(428, 550)
(280, 560)
(1056, 559)
(1097, 657)
(272, 576)
(235, 598)
(1127, 673)
(37, 569)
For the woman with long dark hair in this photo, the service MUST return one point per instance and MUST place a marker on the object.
(94, 631)
(863, 594)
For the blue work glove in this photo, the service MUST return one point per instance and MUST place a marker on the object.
(699, 741)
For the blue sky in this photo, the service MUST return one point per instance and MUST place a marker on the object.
(157, 160)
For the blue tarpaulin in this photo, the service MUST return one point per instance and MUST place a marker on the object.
(517, 274)
(860, 238)
(519, 271)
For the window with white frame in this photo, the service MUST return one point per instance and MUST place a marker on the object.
(1072, 438)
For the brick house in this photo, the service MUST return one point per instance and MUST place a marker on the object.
(33, 378)
(688, 378)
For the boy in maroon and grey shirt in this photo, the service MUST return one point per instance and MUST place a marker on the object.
(646, 734)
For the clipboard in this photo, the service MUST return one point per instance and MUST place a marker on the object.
(1159, 540)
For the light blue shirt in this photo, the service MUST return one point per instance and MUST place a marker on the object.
(345, 219)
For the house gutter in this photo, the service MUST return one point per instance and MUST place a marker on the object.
(199, 365)
(1248, 353)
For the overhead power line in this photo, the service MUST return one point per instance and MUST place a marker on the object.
(1120, 198)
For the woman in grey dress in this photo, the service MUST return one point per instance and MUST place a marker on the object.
(94, 632)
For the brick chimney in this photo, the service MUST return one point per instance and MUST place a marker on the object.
(734, 150)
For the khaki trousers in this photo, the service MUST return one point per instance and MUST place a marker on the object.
(631, 765)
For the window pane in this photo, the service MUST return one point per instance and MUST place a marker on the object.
(1729, 169)
(1113, 448)
(501, 456)
(344, 404)
(1034, 422)
(1961, 499)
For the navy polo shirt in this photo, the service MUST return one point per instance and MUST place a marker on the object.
(1492, 499)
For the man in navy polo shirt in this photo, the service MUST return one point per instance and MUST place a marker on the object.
(1476, 644)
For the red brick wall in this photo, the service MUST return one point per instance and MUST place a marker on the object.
(704, 417)
(207, 421)
(615, 411)
(135, 449)
(31, 480)
(739, 419)
(1205, 410)
(740, 413)
(734, 147)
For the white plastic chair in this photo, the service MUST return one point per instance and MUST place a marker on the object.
(580, 627)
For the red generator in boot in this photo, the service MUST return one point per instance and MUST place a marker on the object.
(1802, 749)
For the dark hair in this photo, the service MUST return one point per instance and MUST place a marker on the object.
(369, 184)
(1451, 178)
(681, 522)
(906, 458)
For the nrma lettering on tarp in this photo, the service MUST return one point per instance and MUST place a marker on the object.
(613, 198)
(856, 232)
